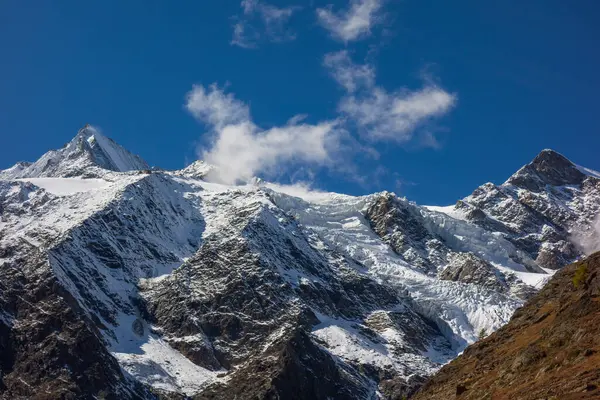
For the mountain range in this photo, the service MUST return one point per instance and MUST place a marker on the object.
(121, 281)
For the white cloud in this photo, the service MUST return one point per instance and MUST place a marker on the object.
(272, 20)
(240, 149)
(348, 74)
(355, 22)
(383, 115)
(395, 116)
(215, 107)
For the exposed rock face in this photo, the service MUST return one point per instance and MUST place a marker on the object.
(292, 367)
(549, 350)
(468, 268)
(48, 350)
(156, 284)
(403, 227)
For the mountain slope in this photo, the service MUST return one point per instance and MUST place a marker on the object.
(184, 287)
(549, 350)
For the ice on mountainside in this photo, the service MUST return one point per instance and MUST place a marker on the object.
(199, 287)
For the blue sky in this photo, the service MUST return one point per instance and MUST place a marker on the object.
(426, 98)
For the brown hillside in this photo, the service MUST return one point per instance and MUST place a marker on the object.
(549, 350)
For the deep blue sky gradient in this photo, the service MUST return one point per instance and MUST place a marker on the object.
(526, 74)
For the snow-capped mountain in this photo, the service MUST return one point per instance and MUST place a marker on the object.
(89, 154)
(125, 282)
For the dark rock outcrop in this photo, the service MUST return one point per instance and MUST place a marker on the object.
(48, 350)
(469, 268)
(401, 225)
(294, 367)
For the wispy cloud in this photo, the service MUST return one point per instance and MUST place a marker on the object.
(383, 115)
(262, 21)
(244, 35)
(395, 116)
(241, 150)
(349, 75)
(353, 23)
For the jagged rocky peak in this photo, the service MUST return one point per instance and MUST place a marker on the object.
(89, 154)
(540, 208)
(548, 168)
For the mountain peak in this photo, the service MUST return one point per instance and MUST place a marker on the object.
(88, 154)
(549, 157)
(106, 153)
(548, 168)
(87, 132)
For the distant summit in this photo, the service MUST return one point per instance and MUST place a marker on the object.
(548, 168)
(89, 154)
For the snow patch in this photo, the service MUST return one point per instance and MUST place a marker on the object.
(343, 339)
(67, 186)
(451, 211)
(154, 362)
